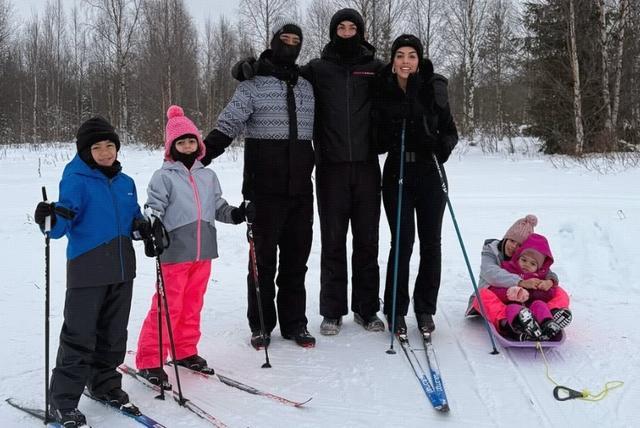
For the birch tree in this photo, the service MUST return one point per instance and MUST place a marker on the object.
(575, 73)
(115, 22)
(259, 16)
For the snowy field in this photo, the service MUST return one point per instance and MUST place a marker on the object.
(593, 225)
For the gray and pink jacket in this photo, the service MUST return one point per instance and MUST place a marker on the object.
(188, 202)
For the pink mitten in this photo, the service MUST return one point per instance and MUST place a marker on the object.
(517, 294)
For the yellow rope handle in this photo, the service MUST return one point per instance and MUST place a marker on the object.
(585, 394)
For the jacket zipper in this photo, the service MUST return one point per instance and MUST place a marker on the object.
(199, 217)
(115, 209)
(349, 114)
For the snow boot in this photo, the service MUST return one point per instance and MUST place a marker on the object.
(550, 329)
(119, 399)
(68, 418)
(196, 363)
(156, 376)
(562, 317)
(400, 327)
(330, 326)
(524, 323)
(370, 323)
(425, 323)
(258, 342)
(302, 337)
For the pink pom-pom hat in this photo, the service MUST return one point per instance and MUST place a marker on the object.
(178, 125)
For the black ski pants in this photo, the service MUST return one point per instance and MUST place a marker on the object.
(93, 342)
(422, 198)
(349, 192)
(283, 231)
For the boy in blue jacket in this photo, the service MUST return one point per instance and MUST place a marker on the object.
(98, 212)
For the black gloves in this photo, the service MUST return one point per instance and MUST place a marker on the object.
(443, 149)
(44, 210)
(246, 210)
(245, 69)
(141, 229)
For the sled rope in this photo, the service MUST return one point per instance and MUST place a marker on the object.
(562, 393)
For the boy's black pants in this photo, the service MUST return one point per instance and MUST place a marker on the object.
(93, 342)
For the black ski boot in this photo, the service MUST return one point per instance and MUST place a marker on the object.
(562, 317)
(524, 323)
(197, 364)
(119, 399)
(156, 376)
(425, 323)
(258, 342)
(302, 337)
(69, 418)
(400, 326)
(550, 329)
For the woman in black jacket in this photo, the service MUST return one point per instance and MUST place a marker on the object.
(411, 103)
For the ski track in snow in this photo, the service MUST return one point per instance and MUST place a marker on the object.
(592, 222)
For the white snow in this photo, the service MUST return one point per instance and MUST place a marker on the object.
(593, 225)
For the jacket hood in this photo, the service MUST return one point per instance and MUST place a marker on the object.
(367, 53)
(534, 242)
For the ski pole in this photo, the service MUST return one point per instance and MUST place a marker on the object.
(159, 305)
(47, 229)
(254, 271)
(160, 235)
(464, 252)
(396, 241)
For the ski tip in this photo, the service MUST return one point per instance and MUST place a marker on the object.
(444, 408)
(302, 403)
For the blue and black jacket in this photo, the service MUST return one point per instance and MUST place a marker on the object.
(99, 251)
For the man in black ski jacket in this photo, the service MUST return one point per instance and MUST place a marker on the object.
(347, 170)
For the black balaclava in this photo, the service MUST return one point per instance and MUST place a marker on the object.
(93, 131)
(284, 54)
(187, 159)
(351, 46)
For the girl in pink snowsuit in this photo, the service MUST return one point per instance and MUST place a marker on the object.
(187, 198)
(527, 309)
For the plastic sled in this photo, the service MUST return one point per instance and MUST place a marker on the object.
(507, 343)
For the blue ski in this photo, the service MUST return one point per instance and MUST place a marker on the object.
(138, 416)
(429, 390)
(434, 369)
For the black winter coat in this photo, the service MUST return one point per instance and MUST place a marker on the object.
(425, 106)
(342, 131)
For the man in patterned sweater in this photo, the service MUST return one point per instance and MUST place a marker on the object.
(275, 112)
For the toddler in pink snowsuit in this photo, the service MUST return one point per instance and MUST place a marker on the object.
(527, 309)
(187, 198)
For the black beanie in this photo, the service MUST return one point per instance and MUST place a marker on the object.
(346, 14)
(407, 40)
(94, 130)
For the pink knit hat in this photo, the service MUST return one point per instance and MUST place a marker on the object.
(177, 126)
(521, 229)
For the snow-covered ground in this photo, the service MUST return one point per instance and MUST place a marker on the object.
(593, 225)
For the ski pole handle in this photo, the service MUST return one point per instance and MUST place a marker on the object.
(47, 219)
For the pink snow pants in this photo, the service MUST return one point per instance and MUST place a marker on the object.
(185, 284)
(496, 310)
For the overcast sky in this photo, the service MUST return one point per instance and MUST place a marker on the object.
(199, 9)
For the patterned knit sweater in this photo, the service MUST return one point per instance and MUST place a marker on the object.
(258, 110)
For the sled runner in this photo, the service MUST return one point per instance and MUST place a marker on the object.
(510, 343)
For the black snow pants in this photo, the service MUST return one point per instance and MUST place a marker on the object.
(422, 197)
(349, 192)
(93, 342)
